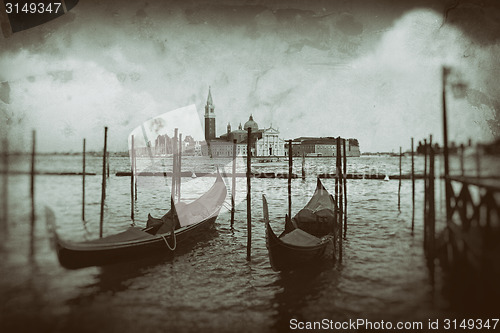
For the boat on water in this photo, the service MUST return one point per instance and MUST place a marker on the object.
(182, 222)
(296, 246)
(319, 215)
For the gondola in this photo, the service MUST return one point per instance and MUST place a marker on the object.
(296, 247)
(319, 215)
(182, 222)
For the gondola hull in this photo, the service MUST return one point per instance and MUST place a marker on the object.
(285, 256)
(79, 255)
(189, 221)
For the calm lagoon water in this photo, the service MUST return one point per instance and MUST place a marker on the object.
(210, 286)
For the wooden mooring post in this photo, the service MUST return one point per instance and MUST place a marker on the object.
(400, 173)
(290, 171)
(107, 164)
(103, 190)
(233, 183)
(462, 162)
(135, 173)
(338, 194)
(83, 181)
(303, 165)
(426, 190)
(431, 211)
(179, 168)
(132, 169)
(249, 204)
(32, 193)
(174, 165)
(345, 185)
(412, 188)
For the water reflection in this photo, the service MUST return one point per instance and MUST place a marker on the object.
(118, 277)
(300, 288)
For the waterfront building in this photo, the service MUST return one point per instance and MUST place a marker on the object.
(323, 146)
(265, 142)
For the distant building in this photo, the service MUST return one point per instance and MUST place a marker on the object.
(323, 146)
(210, 133)
(265, 142)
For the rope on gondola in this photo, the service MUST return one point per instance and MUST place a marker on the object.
(175, 241)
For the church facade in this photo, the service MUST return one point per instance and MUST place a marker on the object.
(264, 142)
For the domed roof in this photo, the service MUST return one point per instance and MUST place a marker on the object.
(251, 123)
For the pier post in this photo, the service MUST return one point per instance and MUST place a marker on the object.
(426, 190)
(174, 165)
(5, 187)
(290, 170)
(103, 190)
(32, 193)
(341, 190)
(338, 195)
(135, 172)
(400, 175)
(432, 210)
(179, 169)
(83, 180)
(249, 206)
(303, 165)
(344, 155)
(233, 183)
(445, 72)
(412, 188)
(132, 169)
(462, 163)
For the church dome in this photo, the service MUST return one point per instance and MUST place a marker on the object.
(252, 124)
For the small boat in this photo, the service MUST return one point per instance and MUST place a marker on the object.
(182, 222)
(319, 215)
(295, 247)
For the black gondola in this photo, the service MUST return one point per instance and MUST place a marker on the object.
(185, 220)
(296, 247)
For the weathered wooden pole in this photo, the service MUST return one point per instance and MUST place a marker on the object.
(338, 190)
(303, 165)
(83, 181)
(132, 169)
(103, 190)
(107, 164)
(341, 178)
(233, 183)
(290, 170)
(174, 164)
(179, 169)
(432, 209)
(426, 197)
(462, 163)
(445, 73)
(344, 155)
(5, 187)
(249, 210)
(135, 172)
(400, 175)
(412, 188)
(32, 193)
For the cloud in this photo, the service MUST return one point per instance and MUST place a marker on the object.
(117, 65)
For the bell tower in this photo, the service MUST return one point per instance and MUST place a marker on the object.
(209, 118)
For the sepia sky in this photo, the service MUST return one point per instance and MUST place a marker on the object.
(369, 70)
